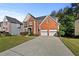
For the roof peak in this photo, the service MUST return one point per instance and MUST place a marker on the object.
(10, 17)
(31, 15)
(13, 20)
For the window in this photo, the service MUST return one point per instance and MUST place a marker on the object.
(19, 27)
(3, 27)
(25, 24)
(30, 23)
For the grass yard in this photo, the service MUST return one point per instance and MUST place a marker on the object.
(72, 44)
(12, 41)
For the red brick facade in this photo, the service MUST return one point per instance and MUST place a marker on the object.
(33, 24)
(47, 24)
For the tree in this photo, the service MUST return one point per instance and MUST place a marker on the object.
(75, 7)
(53, 13)
(67, 20)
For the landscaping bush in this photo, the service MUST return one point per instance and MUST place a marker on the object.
(23, 33)
(5, 34)
(31, 34)
(76, 36)
(36, 34)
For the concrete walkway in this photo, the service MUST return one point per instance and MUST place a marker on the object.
(40, 46)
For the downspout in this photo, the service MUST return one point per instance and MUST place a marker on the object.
(34, 28)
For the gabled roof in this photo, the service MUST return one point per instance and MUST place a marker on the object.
(41, 18)
(27, 17)
(31, 15)
(13, 20)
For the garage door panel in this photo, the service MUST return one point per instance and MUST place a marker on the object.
(44, 33)
(52, 32)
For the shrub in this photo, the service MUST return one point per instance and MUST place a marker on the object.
(5, 34)
(23, 33)
(31, 34)
(36, 34)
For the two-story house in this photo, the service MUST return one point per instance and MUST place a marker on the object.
(44, 25)
(11, 25)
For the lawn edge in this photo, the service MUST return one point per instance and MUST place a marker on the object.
(67, 46)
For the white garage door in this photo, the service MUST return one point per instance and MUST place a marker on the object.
(52, 32)
(43, 32)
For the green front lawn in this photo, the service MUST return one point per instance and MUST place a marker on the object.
(72, 44)
(12, 41)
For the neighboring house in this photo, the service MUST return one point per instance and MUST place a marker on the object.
(44, 25)
(77, 27)
(1, 26)
(11, 25)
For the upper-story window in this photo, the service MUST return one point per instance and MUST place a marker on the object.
(30, 23)
(25, 24)
(19, 27)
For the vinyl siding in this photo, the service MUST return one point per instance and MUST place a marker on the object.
(1, 27)
(14, 29)
(6, 25)
(76, 28)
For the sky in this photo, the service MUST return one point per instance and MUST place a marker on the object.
(20, 10)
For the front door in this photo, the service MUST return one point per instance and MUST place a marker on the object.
(29, 30)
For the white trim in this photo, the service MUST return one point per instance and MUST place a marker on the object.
(25, 18)
(43, 30)
(54, 20)
(45, 19)
(52, 30)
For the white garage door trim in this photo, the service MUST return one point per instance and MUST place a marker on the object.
(52, 32)
(44, 33)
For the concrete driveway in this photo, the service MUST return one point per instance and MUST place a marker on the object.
(40, 46)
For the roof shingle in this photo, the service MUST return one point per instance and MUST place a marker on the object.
(13, 20)
(41, 18)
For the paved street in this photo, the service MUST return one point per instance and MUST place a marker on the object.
(40, 46)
